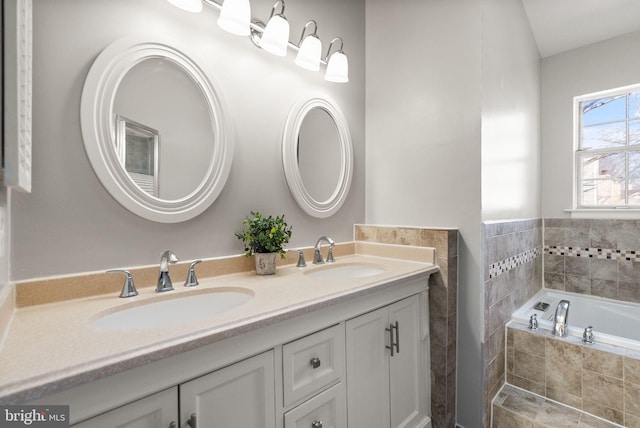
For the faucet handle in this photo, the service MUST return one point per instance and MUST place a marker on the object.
(301, 261)
(192, 280)
(129, 288)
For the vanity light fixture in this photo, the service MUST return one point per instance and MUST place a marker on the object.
(337, 64)
(235, 18)
(310, 49)
(275, 37)
(194, 6)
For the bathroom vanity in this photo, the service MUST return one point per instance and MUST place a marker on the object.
(309, 349)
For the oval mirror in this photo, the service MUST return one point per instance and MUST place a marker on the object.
(154, 129)
(317, 156)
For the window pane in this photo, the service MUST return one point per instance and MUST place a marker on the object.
(634, 164)
(608, 192)
(605, 109)
(634, 192)
(604, 136)
(634, 104)
(602, 166)
(634, 132)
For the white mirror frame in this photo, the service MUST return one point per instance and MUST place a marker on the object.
(313, 207)
(98, 129)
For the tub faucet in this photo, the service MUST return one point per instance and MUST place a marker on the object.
(317, 256)
(560, 319)
(164, 280)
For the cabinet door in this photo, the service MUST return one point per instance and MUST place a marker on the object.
(239, 396)
(406, 384)
(158, 410)
(367, 370)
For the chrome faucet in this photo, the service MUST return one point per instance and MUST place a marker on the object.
(560, 319)
(164, 280)
(129, 288)
(317, 256)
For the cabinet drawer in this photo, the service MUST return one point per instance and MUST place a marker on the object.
(325, 410)
(312, 362)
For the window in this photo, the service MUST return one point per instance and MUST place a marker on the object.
(608, 149)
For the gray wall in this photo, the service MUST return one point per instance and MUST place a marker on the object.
(452, 87)
(606, 65)
(69, 223)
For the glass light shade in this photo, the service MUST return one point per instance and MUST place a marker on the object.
(309, 54)
(276, 36)
(337, 68)
(235, 16)
(188, 5)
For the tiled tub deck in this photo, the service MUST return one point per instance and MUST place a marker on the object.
(553, 382)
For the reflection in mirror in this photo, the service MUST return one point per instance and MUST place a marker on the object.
(137, 148)
(149, 111)
(319, 154)
(162, 96)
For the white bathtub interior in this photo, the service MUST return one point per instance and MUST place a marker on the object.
(614, 322)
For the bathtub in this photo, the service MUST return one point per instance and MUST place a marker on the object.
(614, 322)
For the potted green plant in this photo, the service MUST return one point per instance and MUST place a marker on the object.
(265, 238)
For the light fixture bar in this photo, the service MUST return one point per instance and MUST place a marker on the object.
(258, 26)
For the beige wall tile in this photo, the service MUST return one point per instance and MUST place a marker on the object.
(604, 390)
(602, 362)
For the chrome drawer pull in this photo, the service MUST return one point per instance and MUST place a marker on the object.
(315, 362)
(316, 424)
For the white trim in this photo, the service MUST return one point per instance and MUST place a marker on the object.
(306, 201)
(18, 94)
(579, 211)
(605, 213)
(98, 128)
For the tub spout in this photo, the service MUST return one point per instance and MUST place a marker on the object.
(560, 319)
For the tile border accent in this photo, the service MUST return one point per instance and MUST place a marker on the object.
(597, 253)
(503, 266)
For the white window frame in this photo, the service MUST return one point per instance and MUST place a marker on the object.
(579, 211)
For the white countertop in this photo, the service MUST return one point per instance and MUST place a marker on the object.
(53, 347)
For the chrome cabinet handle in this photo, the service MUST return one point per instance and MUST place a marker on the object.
(394, 339)
(192, 421)
(316, 424)
(315, 362)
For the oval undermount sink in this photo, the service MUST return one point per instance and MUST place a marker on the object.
(173, 310)
(345, 271)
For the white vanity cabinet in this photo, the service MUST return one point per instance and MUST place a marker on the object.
(385, 368)
(241, 395)
(360, 362)
(237, 396)
(159, 410)
(313, 370)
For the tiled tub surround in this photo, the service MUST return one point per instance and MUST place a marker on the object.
(515, 407)
(88, 355)
(601, 380)
(512, 274)
(597, 257)
(443, 287)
